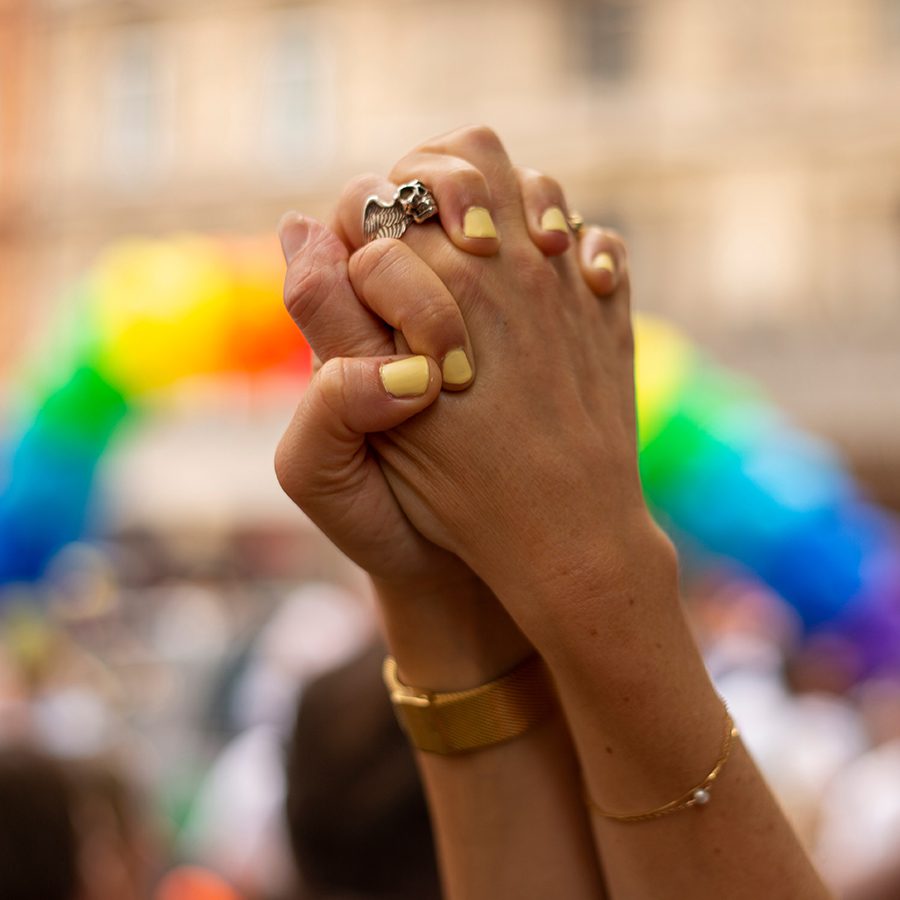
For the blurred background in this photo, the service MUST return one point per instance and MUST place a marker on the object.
(750, 154)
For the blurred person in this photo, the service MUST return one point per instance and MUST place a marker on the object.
(236, 824)
(859, 835)
(70, 831)
(38, 839)
(356, 813)
(883, 885)
(567, 733)
(119, 850)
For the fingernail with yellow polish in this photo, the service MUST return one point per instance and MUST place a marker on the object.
(406, 377)
(478, 223)
(554, 219)
(456, 369)
(604, 261)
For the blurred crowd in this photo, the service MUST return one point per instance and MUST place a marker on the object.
(217, 729)
(199, 715)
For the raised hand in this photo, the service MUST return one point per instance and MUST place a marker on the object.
(537, 458)
(325, 461)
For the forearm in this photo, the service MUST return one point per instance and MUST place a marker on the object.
(509, 819)
(648, 726)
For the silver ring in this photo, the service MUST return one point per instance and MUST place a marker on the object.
(412, 202)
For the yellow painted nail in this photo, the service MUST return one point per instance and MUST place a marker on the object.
(478, 223)
(554, 219)
(605, 262)
(406, 377)
(456, 368)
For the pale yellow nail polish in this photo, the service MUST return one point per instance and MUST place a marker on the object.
(478, 223)
(456, 368)
(406, 377)
(553, 219)
(604, 261)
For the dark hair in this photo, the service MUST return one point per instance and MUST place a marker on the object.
(38, 852)
(356, 811)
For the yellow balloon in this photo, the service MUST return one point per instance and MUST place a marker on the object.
(162, 310)
(663, 361)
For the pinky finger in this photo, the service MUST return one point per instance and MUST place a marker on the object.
(603, 260)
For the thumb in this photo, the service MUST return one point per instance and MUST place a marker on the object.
(322, 462)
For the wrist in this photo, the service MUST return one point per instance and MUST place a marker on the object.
(591, 582)
(608, 620)
(610, 626)
(448, 635)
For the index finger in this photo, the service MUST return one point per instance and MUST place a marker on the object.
(319, 297)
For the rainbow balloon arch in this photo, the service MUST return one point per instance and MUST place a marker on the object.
(731, 480)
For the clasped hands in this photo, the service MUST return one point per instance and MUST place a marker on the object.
(473, 420)
(470, 442)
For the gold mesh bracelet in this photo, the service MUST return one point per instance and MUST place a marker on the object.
(460, 721)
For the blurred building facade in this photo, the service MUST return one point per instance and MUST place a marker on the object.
(14, 71)
(750, 151)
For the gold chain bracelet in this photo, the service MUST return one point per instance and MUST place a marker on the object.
(696, 796)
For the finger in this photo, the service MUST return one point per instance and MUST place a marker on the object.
(394, 282)
(347, 222)
(322, 462)
(546, 213)
(481, 147)
(604, 262)
(347, 399)
(428, 238)
(462, 195)
(319, 297)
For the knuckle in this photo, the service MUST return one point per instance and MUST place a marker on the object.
(334, 389)
(531, 266)
(537, 184)
(462, 273)
(352, 196)
(303, 287)
(430, 316)
(292, 468)
(614, 240)
(361, 184)
(480, 138)
(286, 470)
(281, 465)
(464, 180)
(312, 276)
(331, 383)
(549, 186)
(384, 258)
(526, 174)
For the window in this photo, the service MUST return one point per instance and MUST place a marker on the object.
(295, 99)
(606, 34)
(134, 133)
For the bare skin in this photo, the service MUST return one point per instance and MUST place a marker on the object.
(508, 516)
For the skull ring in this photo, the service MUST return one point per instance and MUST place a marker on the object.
(413, 202)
